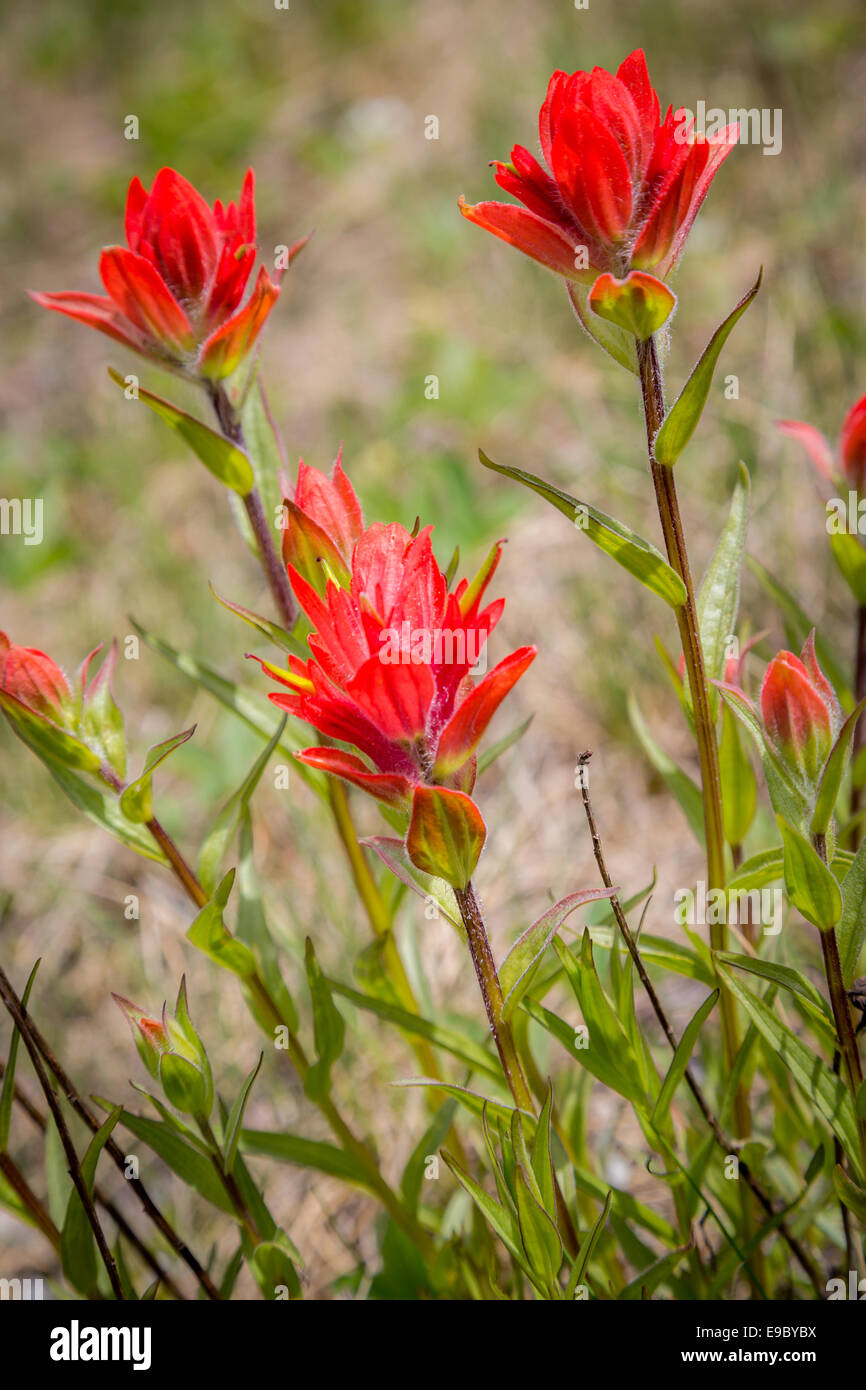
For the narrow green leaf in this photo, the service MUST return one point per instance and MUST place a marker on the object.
(719, 595)
(210, 934)
(682, 418)
(228, 818)
(328, 1028)
(136, 800)
(7, 1095)
(681, 1058)
(851, 930)
(850, 556)
(822, 1086)
(834, 771)
(683, 789)
(304, 1153)
(77, 1245)
(636, 555)
(739, 784)
(225, 460)
(518, 970)
(236, 1117)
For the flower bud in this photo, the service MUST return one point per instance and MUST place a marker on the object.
(800, 711)
(173, 1052)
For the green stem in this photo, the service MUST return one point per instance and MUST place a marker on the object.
(228, 1181)
(705, 730)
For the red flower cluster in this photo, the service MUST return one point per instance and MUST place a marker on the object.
(391, 648)
(852, 447)
(175, 290)
(623, 188)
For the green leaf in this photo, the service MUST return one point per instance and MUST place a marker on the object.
(281, 639)
(822, 1086)
(103, 808)
(446, 834)
(450, 1041)
(210, 934)
(681, 786)
(834, 771)
(7, 1095)
(225, 460)
(184, 1086)
(851, 930)
(739, 784)
(274, 1270)
(719, 595)
(850, 1193)
(784, 975)
(435, 892)
(520, 966)
(252, 928)
(614, 340)
(77, 1245)
(681, 1058)
(228, 819)
(304, 1153)
(429, 1143)
(636, 555)
(639, 303)
(588, 1247)
(850, 556)
(136, 800)
(51, 744)
(497, 1217)
(811, 887)
(682, 418)
(236, 1117)
(192, 1166)
(329, 1029)
(538, 1232)
(470, 1100)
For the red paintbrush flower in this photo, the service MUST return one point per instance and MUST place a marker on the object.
(175, 290)
(851, 452)
(621, 188)
(391, 649)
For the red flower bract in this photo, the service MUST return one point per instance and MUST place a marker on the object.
(33, 678)
(391, 651)
(800, 710)
(175, 289)
(621, 189)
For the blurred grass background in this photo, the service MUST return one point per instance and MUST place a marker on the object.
(328, 101)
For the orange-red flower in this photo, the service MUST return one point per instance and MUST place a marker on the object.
(621, 188)
(391, 649)
(174, 291)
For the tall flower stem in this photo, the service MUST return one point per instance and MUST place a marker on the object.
(705, 731)
(275, 570)
(503, 1036)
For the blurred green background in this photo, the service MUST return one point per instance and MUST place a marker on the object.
(328, 101)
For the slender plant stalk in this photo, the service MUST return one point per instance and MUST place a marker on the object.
(503, 1036)
(726, 1144)
(28, 1199)
(705, 731)
(229, 1182)
(20, 1017)
(113, 1150)
(275, 570)
(109, 1207)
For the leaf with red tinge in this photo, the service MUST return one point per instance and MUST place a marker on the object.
(640, 303)
(446, 834)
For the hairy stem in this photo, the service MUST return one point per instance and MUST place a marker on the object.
(274, 569)
(705, 731)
